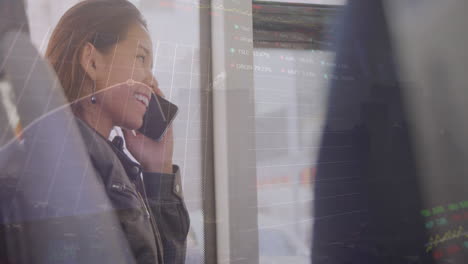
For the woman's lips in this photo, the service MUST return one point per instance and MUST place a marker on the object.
(144, 99)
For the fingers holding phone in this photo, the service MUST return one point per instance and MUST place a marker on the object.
(154, 156)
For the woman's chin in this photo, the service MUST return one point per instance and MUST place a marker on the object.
(133, 125)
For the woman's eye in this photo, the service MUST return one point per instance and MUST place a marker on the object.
(141, 57)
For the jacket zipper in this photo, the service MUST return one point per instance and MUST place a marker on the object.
(159, 246)
(152, 221)
(146, 208)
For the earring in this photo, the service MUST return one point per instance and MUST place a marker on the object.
(93, 97)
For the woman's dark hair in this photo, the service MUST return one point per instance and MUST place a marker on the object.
(100, 22)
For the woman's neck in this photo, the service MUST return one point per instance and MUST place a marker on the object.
(97, 120)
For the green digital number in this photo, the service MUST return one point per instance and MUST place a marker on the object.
(426, 213)
(438, 210)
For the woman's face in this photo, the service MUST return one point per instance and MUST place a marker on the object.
(128, 61)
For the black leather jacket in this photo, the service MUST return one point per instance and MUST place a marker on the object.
(150, 206)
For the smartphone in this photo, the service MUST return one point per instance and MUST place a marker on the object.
(158, 117)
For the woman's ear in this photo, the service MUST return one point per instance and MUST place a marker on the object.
(88, 60)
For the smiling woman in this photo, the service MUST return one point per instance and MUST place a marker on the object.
(108, 72)
(92, 51)
(102, 53)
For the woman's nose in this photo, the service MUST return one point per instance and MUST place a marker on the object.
(153, 83)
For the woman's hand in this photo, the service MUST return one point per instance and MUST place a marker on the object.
(153, 156)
